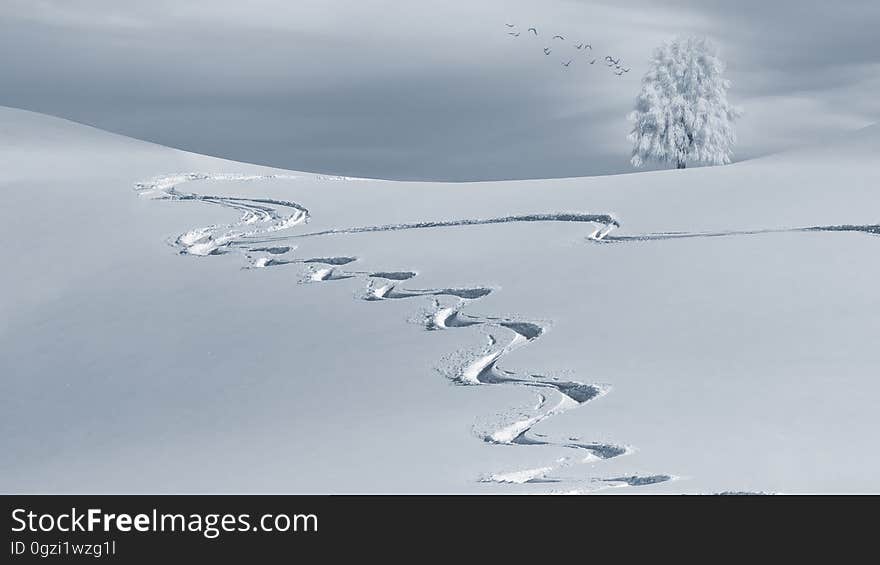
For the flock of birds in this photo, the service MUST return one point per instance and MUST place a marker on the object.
(586, 48)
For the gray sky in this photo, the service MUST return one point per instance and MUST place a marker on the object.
(426, 89)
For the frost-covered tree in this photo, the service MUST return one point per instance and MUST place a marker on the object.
(682, 114)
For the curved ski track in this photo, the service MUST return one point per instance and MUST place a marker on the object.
(253, 235)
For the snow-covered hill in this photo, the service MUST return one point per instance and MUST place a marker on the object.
(175, 322)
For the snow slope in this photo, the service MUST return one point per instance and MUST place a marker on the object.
(177, 323)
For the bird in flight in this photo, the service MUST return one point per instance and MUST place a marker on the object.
(510, 25)
(618, 73)
(533, 30)
(515, 34)
(547, 50)
(558, 37)
(579, 46)
(593, 61)
(625, 70)
(566, 64)
(588, 46)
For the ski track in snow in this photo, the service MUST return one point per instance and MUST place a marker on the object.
(259, 216)
(254, 233)
(869, 229)
(607, 222)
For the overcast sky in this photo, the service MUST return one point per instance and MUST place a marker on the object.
(427, 89)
